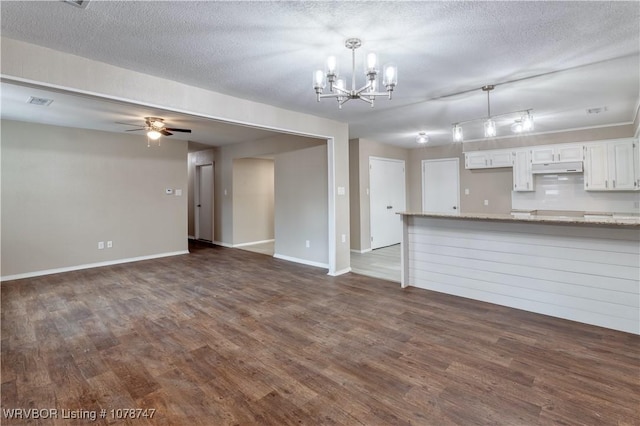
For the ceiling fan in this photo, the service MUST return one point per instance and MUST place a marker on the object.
(156, 127)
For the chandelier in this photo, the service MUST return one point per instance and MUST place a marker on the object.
(523, 124)
(366, 93)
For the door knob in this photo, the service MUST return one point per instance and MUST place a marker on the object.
(454, 207)
(199, 205)
(389, 207)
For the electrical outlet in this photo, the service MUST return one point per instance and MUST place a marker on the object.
(344, 238)
(486, 202)
(109, 244)
(307, 244)
(100, 245)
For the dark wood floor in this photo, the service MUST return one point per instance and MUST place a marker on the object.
(224, 336)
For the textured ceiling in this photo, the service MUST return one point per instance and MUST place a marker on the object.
(559, 58)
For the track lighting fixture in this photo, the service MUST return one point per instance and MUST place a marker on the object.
(523, 124)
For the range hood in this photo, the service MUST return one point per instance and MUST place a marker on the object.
(553, 168)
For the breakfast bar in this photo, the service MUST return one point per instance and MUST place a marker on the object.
(584, 269)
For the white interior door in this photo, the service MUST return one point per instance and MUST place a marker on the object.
(441, 186)
(204, 202)
(386, 198)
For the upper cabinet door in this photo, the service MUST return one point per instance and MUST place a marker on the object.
(621, 167)
(476, 160)
(596, 169)
(571, 152)
(542, 155)
(556, 154)
(611, 166)
(501, 159)
(522, 176)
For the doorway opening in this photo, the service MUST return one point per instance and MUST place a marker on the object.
(203, 199)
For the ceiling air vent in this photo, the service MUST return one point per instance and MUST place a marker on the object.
(597, 110)
(77, 3)
(39, 101)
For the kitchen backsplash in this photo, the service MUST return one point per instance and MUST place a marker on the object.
(566, 192)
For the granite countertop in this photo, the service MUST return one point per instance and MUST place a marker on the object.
(588, 219)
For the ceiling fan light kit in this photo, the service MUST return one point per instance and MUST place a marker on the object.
(521, 125)
(155, 128)
(337, 86)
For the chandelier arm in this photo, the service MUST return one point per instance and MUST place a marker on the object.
(363, 88)
(369, 101)
(342, 92)
(330, 95)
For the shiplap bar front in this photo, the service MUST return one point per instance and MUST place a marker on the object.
(572, 269)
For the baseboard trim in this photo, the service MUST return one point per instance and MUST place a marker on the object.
(340, 272)
(89, 265)
(253, 243)
(302, 261)
(361, 251)
(219, 243)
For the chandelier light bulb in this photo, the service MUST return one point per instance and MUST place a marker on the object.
(422, 138)
(332, 65)
(372, 61)
(390, 76)
(318, 80)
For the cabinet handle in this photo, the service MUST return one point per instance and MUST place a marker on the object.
(614, 183)
(558, 157)
(527, 185)
(606, 184)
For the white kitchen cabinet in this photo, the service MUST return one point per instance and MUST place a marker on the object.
(556, 154)
(522, 176)
(502, 158)
(573, 152)
(476, 160)
(488, 159)
(609, 166)
(621, 168)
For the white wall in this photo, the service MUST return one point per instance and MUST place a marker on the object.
(64, 190)
(301, 208)
(49, 68)
(253, 200)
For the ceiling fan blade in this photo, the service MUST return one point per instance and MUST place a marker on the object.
(128, 124)
(179, 130)
(164, 132)
(134, 130)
